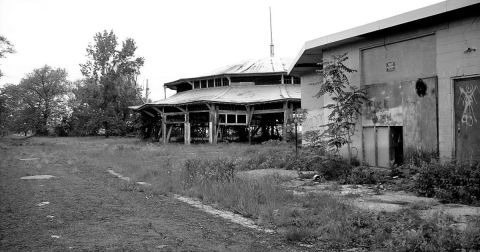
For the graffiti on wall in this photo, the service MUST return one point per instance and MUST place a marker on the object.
(467, 98)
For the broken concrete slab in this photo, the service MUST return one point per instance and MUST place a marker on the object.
(28, 159)
(37, 177)
(118, 175)
(43, 203)
(235, 218)
(263, 173)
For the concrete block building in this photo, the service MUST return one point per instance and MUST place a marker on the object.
(421, 71)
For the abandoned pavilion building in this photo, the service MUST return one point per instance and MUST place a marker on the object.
(252, 101)
(421, 71)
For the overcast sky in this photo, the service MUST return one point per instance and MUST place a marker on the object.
(181, 38)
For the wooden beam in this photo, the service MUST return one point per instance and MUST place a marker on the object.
(238, 112)
(268, 111)
(158, 110)
(198, 111)
(174, 113)
(181, 109)
(148, 113)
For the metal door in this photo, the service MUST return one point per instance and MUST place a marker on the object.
(467, 116)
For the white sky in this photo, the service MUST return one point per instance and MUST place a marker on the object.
(178, 39)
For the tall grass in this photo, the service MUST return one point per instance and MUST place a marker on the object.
(209, 173)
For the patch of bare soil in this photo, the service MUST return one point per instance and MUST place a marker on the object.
(89, 209)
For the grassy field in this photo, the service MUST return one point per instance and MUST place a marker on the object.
(207, 172)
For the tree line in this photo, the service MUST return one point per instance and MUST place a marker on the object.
(45, 102)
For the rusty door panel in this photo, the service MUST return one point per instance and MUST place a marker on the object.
(369, 146)
(420, 119)
(467, 116)
(383, 147)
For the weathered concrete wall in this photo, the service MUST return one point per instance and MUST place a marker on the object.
(312, 104)
(412, 58)
(453, 62)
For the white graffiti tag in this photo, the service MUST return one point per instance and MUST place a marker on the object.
(468, 94)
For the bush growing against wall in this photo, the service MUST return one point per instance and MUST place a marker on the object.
(457, 182)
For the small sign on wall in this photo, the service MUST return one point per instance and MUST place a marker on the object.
(390, 66)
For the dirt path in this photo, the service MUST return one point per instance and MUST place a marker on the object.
(89, 209)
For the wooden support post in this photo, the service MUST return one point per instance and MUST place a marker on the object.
(250, 110)
(186, 132)
(212, 124)
(215, 124)
(285, 120)
(164, 130)
(169, 132)
(164, 125)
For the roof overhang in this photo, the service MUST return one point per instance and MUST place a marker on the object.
(239, 95)
(311, 52)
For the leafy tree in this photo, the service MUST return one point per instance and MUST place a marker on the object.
(347, 102)
(38, 102)
(111, 79)
(6, 47)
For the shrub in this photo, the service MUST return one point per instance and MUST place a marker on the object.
(457, 182)
(333, 168)
(417, 157)
(365, 175)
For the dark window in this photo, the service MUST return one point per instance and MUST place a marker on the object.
(221, 118)
(196, 84)
(183, 87)
(296, 80)
(241, 118)
(231, 118)
(287, 79)
(218, 82)
(225, 81)
(210, 83)
(204, 83)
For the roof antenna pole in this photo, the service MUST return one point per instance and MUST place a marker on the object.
(147, 91)
(271, 35)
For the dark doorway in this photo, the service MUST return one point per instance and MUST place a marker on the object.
(396, 145)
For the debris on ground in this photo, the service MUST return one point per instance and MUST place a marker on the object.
(38, 177)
